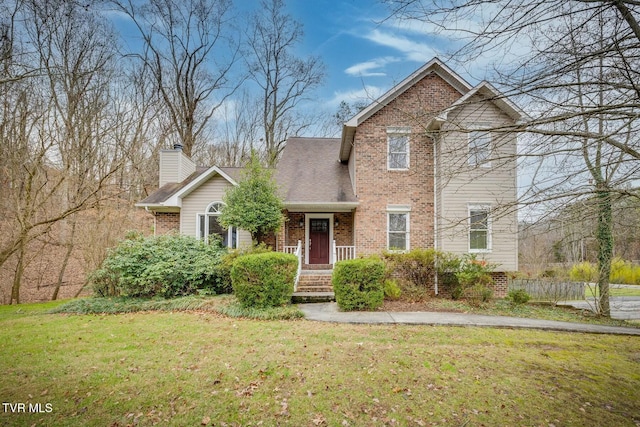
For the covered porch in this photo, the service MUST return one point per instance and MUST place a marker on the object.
(319, 238)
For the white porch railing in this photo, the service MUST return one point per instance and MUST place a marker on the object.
(340, 253)
(291, 249)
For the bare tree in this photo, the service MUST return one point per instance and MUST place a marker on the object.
(578, 78)
(189, 51)
(284, 79)
(237, 135)
(76, 52)
(60, 153)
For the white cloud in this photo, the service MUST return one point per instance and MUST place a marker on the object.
(366, 94)
(412, 50)
(365, 69)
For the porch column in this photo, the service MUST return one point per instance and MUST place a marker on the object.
(281, 234)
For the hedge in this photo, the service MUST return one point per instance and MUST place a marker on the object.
(264, 280)
(359, 284)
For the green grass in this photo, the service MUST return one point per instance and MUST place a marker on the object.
(531, 310)
(223, 304)
(592, 291)
(181, 368)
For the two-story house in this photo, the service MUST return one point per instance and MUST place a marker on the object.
(423, 166)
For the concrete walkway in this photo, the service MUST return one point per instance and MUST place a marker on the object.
(328, 312)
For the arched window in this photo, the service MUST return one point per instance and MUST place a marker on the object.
(209, 225)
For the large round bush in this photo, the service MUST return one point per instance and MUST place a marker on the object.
(359, 284)
(165, 266)
(264, 280)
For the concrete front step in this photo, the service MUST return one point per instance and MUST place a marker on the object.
(316, 273)
(314, 278)
(324, 267)
(309, 297)
(314, 288)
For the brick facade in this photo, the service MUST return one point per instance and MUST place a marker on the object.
(377, 187)
(167, 222)
(343, 233)
(291, 232)
(501, 283)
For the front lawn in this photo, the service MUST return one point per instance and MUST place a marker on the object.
(202, 368)
(592, 290)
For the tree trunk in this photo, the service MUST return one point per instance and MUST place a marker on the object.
(17, 278)
(65, 261)
(604, 236)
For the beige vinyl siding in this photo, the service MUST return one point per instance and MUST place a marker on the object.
(462, 185)
(187, 167)
(438, 184)
(197, 201)
(175, 166)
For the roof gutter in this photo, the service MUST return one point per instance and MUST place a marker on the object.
(299, 206)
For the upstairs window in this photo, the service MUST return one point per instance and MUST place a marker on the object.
(480, 146)
(208, 225)
(479, 228)
(398, 148)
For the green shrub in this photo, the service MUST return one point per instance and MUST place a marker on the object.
(264, 280)
(359, 284)
(227, 260)
(392, 290)
(165, 266)
(448, 284)
(473, 271)
(518, 296)
(477, 294)
(621, 272)
(473, 276)
(584, 272)
(624, 272)
(416, 270)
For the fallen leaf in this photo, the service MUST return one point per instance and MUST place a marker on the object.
(319, 420)
(205, 421)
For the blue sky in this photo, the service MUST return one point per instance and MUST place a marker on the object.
(364, 50)
(365, 54)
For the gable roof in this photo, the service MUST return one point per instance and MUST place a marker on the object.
(490, 93)
(434, 66)
(309, 175)
(170, 195)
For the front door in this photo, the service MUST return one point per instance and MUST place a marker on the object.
(318, 241)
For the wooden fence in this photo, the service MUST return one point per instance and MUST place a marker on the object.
(553, 291)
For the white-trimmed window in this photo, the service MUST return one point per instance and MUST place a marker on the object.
(479, 228)
(209, 225)
(480, 145)
(398, 148)
(398, 219)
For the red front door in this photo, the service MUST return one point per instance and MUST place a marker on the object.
(318, 241)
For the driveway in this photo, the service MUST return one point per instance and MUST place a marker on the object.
(329, 312)
(624, 308)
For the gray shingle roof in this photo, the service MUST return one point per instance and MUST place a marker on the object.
(163, 193)
(169, 189)
(309, 172)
